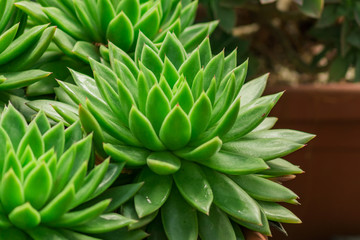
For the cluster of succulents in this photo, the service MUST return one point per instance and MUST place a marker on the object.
(161, 138)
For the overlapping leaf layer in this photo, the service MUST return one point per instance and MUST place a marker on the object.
(47, 185)
(85, 25)
(192, 131)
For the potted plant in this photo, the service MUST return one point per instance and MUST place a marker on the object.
(191, 147)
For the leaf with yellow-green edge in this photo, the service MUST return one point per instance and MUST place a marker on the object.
(175, 14)
(173, 28)
(116, 53)
(247, 120)
(214, 69)
(64, 41)
(224, 101)
(7, 37)
(149, 23)
(215, 226)
(192, 36)
(121, 24)
(264, 189)
(142, 129)
(11, 191)
(42, 122)
(90, 125)
(90, 184)
(211, 91)
(85, 82)
(205, 52)
(38, 186)
(28, 156)
(59, 205)
(126, 76)
(263, 228)
(169, 134)
(267, 124)
(12, 162)
(157, 107)
(104, 223)
(278, 213)
(253, 89)
(163, 163)
(169, 72)
(197, 85)
(112, 126)
(20, 44)
(193, 186)
(132, 156)
(153, 194)
(266, 149)
(312, 8)
(281, 167)
(149, 75)
(22, 79)
(287, 134)
(230, 62)
(104, 72)
(173, 50)
(143, 89)
(55, 138)
(202, 152)
(78, 177)
(106, 13)
(234, 164)
(188, 14)
(200, 115)
(33, 9)
(131, 8)
(25, 216)
(126, 99)
(34, 53)
(68, 25)
(183, 97)
(232, 199)
(34, 139)
(191, 67)
(14, 123)
(176, 216)
(75, 218)
(142, 40)
(164, 85)
(152, 61)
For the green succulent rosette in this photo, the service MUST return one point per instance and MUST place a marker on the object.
(47, 189)
(189, 128)
(86, 25)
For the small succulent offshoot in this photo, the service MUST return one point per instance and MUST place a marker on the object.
(46, 182)
(86, 25)
(193, 132)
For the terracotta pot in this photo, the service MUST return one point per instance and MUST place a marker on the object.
(330, 188)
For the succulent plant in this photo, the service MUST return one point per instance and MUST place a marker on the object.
(192, 131)
(46, 182)
(20, 49)
(85, 25)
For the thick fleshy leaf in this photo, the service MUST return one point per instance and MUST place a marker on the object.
(266, 149)
(106, 13)
(11, 191)
(131, 8)
(214, 69)
(193, 186)
(22, 79)
(25, 216)
(121, 24)
(281, 167)
(153, 194)
(183, 97)
(142, 129)
(215, 226)
(267, 124)
(55, 138)
(278, 213)
(149, 22)
(104, 223)
(163, 163)
(7, 37)
(264, 189)
(263, 228)
(287, 134)
(253, 89)
(173, 50)
(175, 131)
(191, 67)
(232, 199)
(202, 152)
(33, 139)
(38, 186)
(152, 61)
(234, 164)
(176, 216)
(132, 156)
(128, 210)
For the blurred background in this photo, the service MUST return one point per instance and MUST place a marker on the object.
(312, 50)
